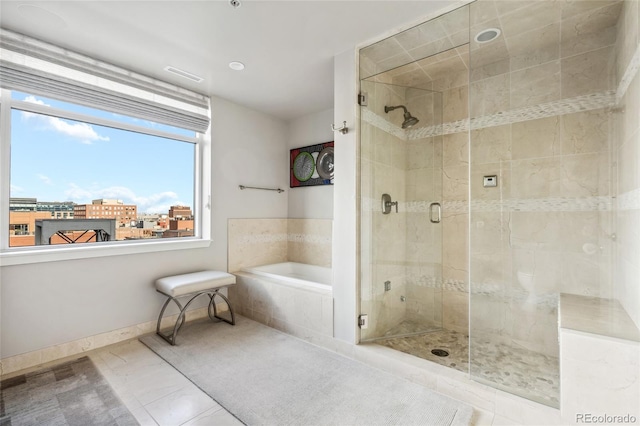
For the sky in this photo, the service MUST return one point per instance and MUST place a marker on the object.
(54, 159)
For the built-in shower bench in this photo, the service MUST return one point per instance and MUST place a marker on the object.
(191, 286)
(599, 358)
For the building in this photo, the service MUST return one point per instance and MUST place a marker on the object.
(125, 214)
(22, 226)
(178, 212)
(23, 204)
(58, 209)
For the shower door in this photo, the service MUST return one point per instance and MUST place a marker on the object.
(401, 210)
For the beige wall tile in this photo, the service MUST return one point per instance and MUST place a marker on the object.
(587, 275)
(536, 47)
(587, 73)
(491, 145)
(489, 232)
(256, 242)
(536, 138)
(420, 154)
(535, 85)
(585, 30)
(493, 269)
(628, 34)
(455, 183)
(586, 132)
(536, 178)
(586, 175)
(537, 230)
(533, 16)
(455, 104)
(485, 70)
(455, 313)
(490, 95)
(455, 149)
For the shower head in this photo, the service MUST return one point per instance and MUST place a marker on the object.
(409, 120)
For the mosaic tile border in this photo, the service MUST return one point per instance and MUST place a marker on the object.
(582, 103)
(494, 290)
(630, 201)
(630, 73)
(308, 238)
(377, 121)
(278, 238)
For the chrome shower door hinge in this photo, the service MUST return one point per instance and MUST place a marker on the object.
(363, 321)
(363, 99)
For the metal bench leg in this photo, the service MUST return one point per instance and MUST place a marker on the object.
(180, 320)
(212, 306)
(171, 338)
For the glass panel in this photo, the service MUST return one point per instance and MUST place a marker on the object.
(81, 178)
(430, 38)
(538, 104)
(401, 254)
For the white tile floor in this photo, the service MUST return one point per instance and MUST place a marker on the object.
(154, 392)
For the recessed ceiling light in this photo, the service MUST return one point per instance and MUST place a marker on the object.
(485, 36)
(183, 74)
(235, 3)
(237, 66)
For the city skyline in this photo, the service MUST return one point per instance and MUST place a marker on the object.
(55, 159)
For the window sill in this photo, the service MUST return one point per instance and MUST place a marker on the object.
(38, 255)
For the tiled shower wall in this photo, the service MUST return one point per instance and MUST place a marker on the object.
(541, 123)
(254, 242)
(627, 146)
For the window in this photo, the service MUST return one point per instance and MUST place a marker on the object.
(91, 163)
(19, 229)
(102, 144)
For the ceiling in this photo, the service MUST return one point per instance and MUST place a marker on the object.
(287, 46)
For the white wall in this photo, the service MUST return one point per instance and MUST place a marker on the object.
(344, 210)
(46, 304)
(311, 202)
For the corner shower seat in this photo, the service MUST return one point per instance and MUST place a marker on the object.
(193, 285)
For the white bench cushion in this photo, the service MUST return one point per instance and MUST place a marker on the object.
(179, 285)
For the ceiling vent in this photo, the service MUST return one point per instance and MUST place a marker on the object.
(183, 74)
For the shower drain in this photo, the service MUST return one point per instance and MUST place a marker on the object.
(439, 352)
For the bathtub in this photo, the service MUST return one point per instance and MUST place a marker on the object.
(296, 275)
(291, 297)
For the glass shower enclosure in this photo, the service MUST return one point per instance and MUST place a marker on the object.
(401, 210)
(477, 218)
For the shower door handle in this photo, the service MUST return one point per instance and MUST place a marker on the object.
(438, 208)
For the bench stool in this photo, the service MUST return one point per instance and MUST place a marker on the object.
(193, 285)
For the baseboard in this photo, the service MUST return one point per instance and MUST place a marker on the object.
(35, 358)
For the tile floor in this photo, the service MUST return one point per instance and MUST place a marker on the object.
(516, 370)
(154, 392)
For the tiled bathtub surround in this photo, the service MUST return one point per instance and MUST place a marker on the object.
(303, 312)
(254, 242)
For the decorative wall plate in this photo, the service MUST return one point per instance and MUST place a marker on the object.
(311, 165)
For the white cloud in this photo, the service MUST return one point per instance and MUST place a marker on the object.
(154, 203)
(16, 189)
(82, 131)
(45, 179)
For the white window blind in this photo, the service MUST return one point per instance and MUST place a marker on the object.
(32, 66)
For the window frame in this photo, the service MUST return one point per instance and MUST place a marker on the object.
(36, 254)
